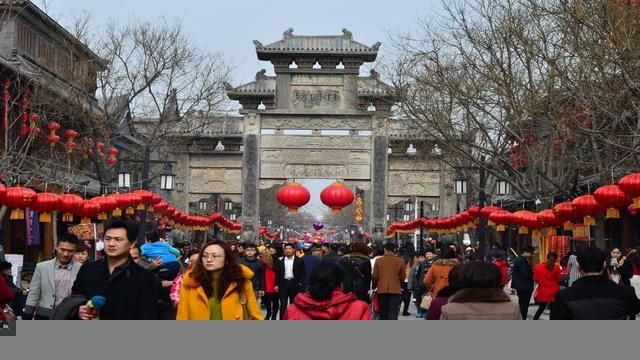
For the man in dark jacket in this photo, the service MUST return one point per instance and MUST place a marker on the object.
(310, 263)
(289, 277)
(329, 253)
(357, 268)
(522, 279)
(594, 296)
(256, 265)
(130, 290)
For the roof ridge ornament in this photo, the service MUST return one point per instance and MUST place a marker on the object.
(262, 74)
(376, 46)
(288, 34)
(258, 44)
(346, 34)
(374, 74)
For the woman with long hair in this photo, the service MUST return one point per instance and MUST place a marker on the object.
(547, 275)
(218, 287)
(619, 269)
(270, 299)
(325, 299)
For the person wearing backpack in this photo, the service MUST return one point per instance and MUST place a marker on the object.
(357, 267)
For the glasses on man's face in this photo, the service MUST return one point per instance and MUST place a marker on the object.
(213, 256)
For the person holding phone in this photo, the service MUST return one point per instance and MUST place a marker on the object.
(619, 269)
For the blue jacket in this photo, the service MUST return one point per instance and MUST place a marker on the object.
(310, 262)
(522, 275)
(160, 249)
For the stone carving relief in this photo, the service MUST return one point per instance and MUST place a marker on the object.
(413, 183)
(316, 156)
(315, 80)
(227, 181)
(316, 122)
(315, 171)
(315, 142)
(316, 97)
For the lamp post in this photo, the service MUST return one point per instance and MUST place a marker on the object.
(460, 187)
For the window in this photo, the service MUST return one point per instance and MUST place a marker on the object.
(26, 40)
(365, 133)
(334, 132)
(267, 131)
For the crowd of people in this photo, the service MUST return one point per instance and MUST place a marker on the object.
(330, 281)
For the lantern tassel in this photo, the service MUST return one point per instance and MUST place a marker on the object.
(500, 228)
(130, 211)
(613, 213)
(523, 230)
(102, 216)
(589, 220)
(568, 226)
(85, 220)
(45, 217)
(336, 210)
(17, 214)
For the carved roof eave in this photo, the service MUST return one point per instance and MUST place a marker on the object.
(278, 54)
(263, 89)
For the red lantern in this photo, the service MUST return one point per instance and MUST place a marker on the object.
(146, 196)
(45, 204)
(18, 198)
(155, 199)
(566, 212)
(70, 145)
(613, 198)
(90, 209)
(70, 204)
(475, 212)
(112, 156)
(547, 219)
(293, 196)
(633, 211)
(487, 211)
(501, 218)
(160, 207)
(630, 184)
(53, 138)
(526, 220)
(3, 192)
(134, 202)
(337, 196)
(586, 206)
(107, 204)
(123, 202)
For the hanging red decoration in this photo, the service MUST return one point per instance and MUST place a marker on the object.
(3, 193)
(112, 160)
(70, 204)
(294, 196)
(147, 198)
(134, 202)
(17, 199)
(46, 203)
(107, 204)
(70, 145)
(526, 220)
(501, 218)
(586, 207)
(633, 210)
(547, 219)
(630, 184)
(613, 198)
(337, 196)
(90, 209)
(474, 211)
(53, 126)
(6, 96)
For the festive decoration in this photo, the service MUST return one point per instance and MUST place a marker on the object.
(90, 209)
(17, 199)
(501, 218)
(526, 220)
(3, 192)
(359, 211)
(70, 204)
(46, 203)
(633, 210)
(586, 207)
(107, 204)
(293, 196)
(53, 126)
(630, 184)
(112, 156)
(613, 198)
(566, 212)
(336, 196)
(70, 145)
(318, 226)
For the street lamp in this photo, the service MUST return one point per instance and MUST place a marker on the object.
(167, 180)
(503, 187)
(406, 217)
(202, 205)
(124, 179)
(460, 186)
(232, 217)
(228, 205)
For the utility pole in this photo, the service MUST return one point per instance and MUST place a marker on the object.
(142, 227)
(481, 203)
(421, 244)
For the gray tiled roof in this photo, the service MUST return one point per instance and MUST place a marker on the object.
(265, 86)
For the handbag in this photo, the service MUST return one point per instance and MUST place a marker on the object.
(243, 303)
(7, 313)
(425, 302)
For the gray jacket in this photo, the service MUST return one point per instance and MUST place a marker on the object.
(42, 293)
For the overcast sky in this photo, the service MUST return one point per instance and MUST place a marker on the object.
(230, 26)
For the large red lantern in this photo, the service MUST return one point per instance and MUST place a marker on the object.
(586, 206)
(70, 145)
(566, 212)
(112, 160)
(526, 220)
(337, 196)
(630, 184)
(547, 219)
(613, 198)
(160, 207)
(17, 199)
(293, 196)
(134, 201)
(107, 204)
(474, 211)
(501, 218)
(3, 193)
(146, 196)
(633, 210)
(53, 126)
(155, 199)
(45, 204)
(90, 209)
(70, 204)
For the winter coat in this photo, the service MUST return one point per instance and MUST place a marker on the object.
(548, 282)
(269, 280)
(595, 298)
(160, 249)
(310, 263)
(194, 302)
(502, 265)
(6, 294)
(438, 275)
(358, 275)
(625, 271)
(522, 275)
(131, 291)
(389, 273)
(435, 310)
(340, 306)
(480, 304)
(257, 267)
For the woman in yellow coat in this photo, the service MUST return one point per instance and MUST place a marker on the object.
(214, 287)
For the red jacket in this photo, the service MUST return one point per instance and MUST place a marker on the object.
(502, 265)
(548, 282)
(6, 294)
(269, 280)
(340, 306)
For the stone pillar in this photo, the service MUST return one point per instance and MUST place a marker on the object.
(379, 171)
(251, 180)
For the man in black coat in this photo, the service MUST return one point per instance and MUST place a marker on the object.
(289, 277)
(594, 296)
(522, 279)
(130, 291)
(256, 265)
